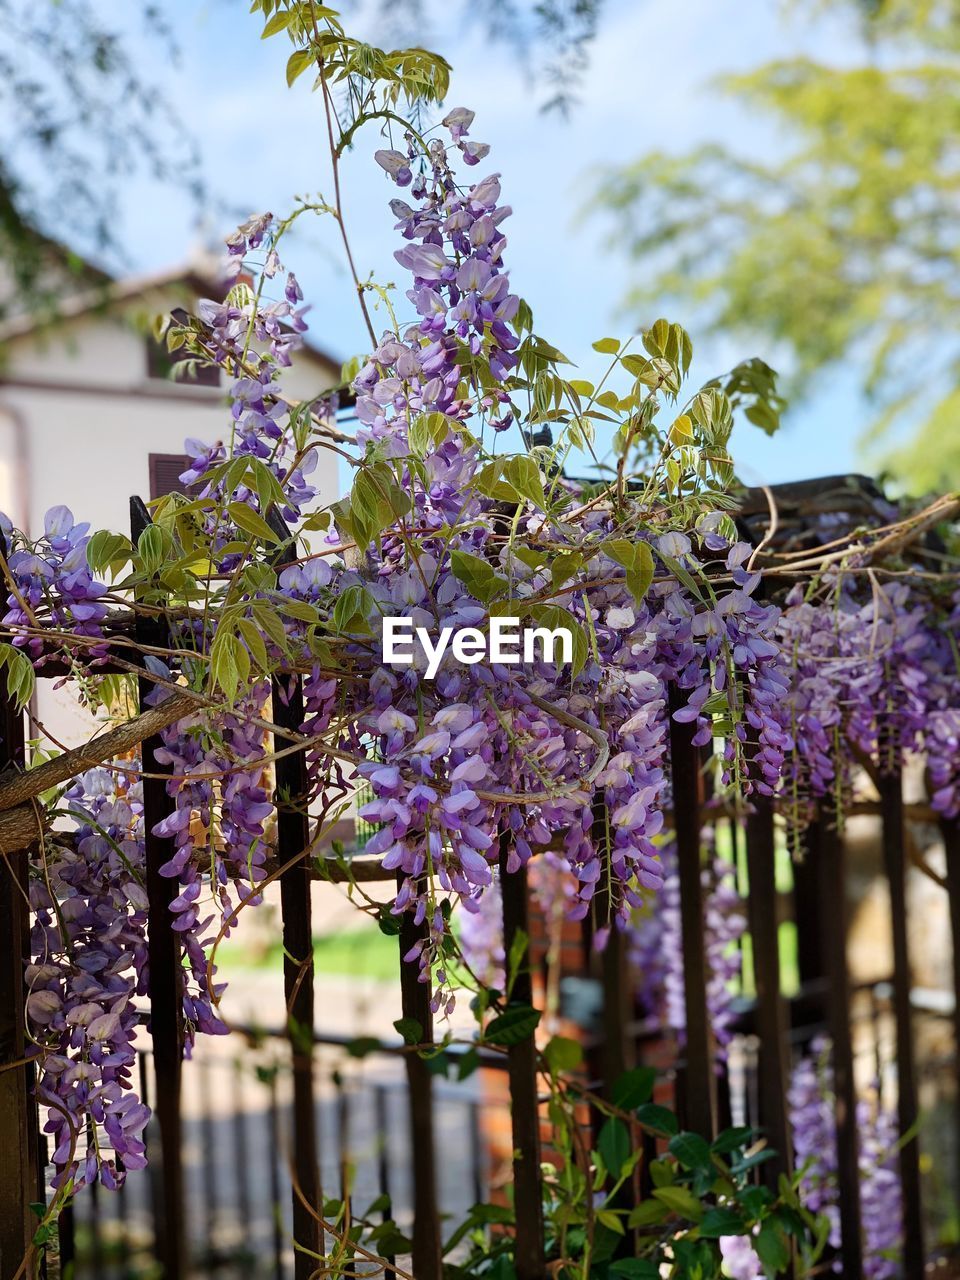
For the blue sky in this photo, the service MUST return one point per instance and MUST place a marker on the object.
(649, 85)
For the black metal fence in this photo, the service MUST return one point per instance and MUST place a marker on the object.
(238, 1121)
(238, 1124)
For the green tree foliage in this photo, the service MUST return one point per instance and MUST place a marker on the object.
(843, 247)
(77, 118)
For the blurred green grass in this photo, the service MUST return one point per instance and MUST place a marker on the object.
(356, 953)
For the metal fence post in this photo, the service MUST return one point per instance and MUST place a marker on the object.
(293, 838)
(829, 853)
(616, 1051)
(427, 1259)
(894, 855)
(530, 1260)
(771, 1012)
(19, 1147)
(166, 980)
(700, 1083)
(950, 831)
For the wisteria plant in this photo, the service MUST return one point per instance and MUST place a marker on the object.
(254, 584)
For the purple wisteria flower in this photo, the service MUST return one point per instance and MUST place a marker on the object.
(88, 944)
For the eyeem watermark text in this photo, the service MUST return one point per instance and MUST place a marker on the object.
(506, 642)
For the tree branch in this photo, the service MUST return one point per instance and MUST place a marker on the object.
(19, 820)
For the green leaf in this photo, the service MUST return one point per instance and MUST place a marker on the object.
(633, 1088)
(352, 611)
(612, 1221)
(362, 1046)
(680, 1200)
(21, 679)
(655, 373)
(772, 1245)
(226, 663)
(250, 521)
(376, 502)
(547, 351)
(438, 1064)
(730, 1139)
(489, 481)
(427, 432)
(755, 1200)
(477, 575)
(751, 1161)
(517, 1023)
(468, 1064)
(653, 1116)
(269, 622)
(502, 1269)
(633, 1268)
(522, 472)
(254, 641)
(532, 557)
(300, 609)
(637, 559)
(390, 1241)
(297, 63)
(682, 575)
(614, 1146)
(410, 1030)
(564, 567)
(279, 22)
(691, 1150)
(387, 922)
(607, 346)
(647, 1214)
(722, 1221)
(553, 618)
(563, 1054)
(107, 550)
(152, 549)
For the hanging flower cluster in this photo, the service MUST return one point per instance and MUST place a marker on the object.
(813, 1125)
(89, 965)
(56, 590)
(218, 828)
(812, 1102)
(941, 735)
(655, 944)
(878, 673)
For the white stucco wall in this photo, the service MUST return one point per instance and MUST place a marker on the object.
(84, 417)
(79, 418)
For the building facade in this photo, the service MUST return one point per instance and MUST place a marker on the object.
(89, 414)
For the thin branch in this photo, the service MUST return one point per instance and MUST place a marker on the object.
(23, 787)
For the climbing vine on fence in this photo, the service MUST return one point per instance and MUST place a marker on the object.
(467, 431)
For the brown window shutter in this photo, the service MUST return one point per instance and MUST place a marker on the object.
(165, 472)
